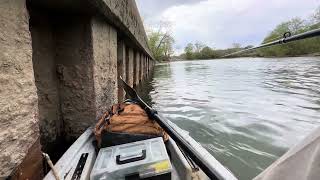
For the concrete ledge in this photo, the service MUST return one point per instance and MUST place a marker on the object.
(124, 15)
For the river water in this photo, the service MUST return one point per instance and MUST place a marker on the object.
(247, 112)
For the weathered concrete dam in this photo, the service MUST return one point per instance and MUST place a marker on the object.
(59, 64)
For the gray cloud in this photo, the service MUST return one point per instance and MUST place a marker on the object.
(151, 8)
(219, 23)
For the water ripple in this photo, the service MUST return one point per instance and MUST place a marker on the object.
(245, 112)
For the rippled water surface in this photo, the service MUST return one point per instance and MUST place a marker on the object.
(246, 112)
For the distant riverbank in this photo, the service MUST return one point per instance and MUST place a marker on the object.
(305, 55)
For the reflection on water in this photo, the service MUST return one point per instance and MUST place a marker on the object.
(246, 112)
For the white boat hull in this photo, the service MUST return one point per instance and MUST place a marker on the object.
(182, 170)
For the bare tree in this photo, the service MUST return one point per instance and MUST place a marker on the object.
(161, 41)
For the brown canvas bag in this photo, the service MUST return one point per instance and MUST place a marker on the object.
(128, 118)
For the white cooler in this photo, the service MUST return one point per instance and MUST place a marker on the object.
(146, 159)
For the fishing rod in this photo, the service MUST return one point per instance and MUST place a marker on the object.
(286, 38)
(208, 169)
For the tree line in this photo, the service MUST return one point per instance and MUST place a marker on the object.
(161, 42)
(295, 26)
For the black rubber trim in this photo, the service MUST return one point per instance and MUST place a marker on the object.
(78, 171)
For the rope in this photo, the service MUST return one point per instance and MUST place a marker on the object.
(47, 157)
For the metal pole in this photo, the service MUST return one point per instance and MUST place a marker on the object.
(286, 38)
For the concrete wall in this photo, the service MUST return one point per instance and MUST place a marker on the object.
(129, 67)
(84, 56)
(74, 58)
(134, 68)
(144, 67)
(141, 67)
(147, 66)
(104, 39)
(121, 55)
(59, 73)
(19, 120)
(43, 58)
(137, 69)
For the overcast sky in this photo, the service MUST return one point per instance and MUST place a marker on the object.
(219, 23)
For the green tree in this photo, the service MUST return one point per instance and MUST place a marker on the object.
(199, 51)
(161, 42)
(168, 47)
(198, 46)
(207, 53)
(236, 45)
(315, 18)
(189, 50)
(294, 26)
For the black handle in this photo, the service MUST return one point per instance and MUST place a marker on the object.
(139, 158)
